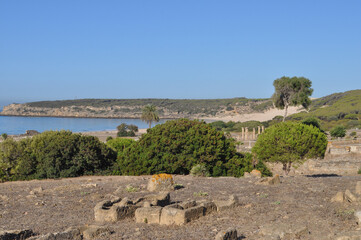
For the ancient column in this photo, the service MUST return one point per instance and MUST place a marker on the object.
(242, 136)
(246, 134)
(262, 129)
(259, 130)
(254, 134)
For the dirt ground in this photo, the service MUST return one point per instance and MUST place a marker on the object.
(299, 203)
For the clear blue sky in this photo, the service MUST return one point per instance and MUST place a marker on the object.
(66, 49)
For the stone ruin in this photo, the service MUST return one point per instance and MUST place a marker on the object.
(158, 209)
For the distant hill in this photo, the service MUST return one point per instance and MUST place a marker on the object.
(132, 108)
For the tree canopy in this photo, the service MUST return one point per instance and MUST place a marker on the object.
(290, 142)
(293, 91)
(150, 114)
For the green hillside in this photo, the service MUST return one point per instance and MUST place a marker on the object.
(338, 108)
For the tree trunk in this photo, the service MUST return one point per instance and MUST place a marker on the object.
(287, 168)
(150, 124)
(286, 108)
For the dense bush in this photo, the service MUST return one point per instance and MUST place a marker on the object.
(54, 154)
(312, 121)
(177, 146)
(290, 142)
(119, 144)
(338, 131)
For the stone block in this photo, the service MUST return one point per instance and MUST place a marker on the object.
(172, 216)
(189, 204)
(148, 215)
(230, 203)
(208, 207)
(193, 213)
(229, 234)
(161, 182)
(162, 199)
(108, 211)
(358, 217)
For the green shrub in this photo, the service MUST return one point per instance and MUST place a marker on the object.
(352, 116)
(288, 143)
(199, 170)
(338, 131)
(54, 154)
(176, 146)
(119, 144)
(312, 121)
(4, 136)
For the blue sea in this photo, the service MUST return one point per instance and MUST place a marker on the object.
(19, 125)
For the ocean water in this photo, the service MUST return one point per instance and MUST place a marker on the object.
(19, 125)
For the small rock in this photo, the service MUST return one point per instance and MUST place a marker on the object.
(247, 175)
(339, 197)
(256, 173)
(94, 231)
(229, 234)
(349, 196)
(358, 217)
(35, 191)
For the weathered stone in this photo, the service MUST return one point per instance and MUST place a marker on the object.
(161, 182)
(94, 231)
(349, 196)
(36, 191)
(247, 175)
(270, 180)
(69, 234)
(108, 211)
(229, 234)
(162, 199)
(208, 207)
(193, 213)
(146, 204)
(148, 215)
(256, 173)
(358, 217)
(178, 216)
(358, 188)
(339, 197)
(274, 180)
(224, 205)
(189, 204)
(170, 216)
(15, 234)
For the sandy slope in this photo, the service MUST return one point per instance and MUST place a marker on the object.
(268, 115)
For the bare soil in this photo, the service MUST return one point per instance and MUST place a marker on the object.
(299, 202)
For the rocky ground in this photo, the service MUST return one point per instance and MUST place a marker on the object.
(300, 207)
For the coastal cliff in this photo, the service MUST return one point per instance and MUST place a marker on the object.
(97, 108)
